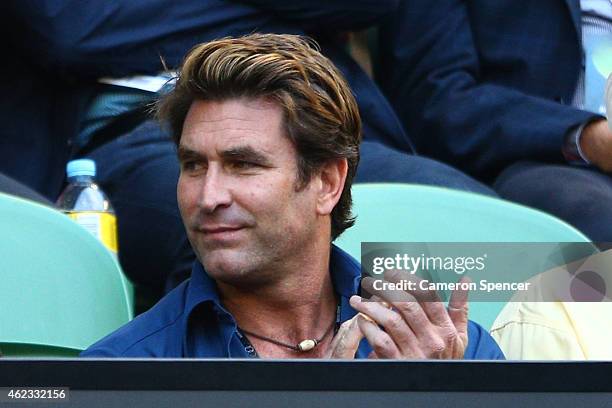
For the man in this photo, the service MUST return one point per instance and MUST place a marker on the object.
(268, 141)
(500, 90)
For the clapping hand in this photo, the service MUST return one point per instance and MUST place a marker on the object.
(412, 324)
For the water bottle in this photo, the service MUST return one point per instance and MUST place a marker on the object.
(84, 202)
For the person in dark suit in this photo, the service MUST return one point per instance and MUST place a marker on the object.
(496, 88)
(57, 51)
(60, 48)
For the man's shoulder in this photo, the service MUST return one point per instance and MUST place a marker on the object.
(155, 333)
(481, 345)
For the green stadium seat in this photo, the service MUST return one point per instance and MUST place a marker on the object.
(61, 289)
(416, 213)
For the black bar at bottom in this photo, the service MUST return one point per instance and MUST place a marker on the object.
(307, 375)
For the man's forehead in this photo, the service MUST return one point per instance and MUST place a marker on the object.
(233, 124)
(257, 111)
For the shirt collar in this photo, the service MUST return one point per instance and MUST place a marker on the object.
(345, 274)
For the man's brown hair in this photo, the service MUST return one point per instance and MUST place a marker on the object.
(321, 117)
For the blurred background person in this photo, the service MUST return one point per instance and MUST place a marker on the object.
(510, 92)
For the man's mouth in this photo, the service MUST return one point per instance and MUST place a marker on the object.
(219, 230)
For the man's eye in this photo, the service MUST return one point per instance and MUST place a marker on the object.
(191, 166)
(243, 165)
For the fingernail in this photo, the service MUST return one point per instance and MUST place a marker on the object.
(355, 299)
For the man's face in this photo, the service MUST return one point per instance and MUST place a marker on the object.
(237, 192)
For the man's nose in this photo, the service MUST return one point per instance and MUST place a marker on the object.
(215, 192)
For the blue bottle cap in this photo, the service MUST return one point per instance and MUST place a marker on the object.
(81, 167)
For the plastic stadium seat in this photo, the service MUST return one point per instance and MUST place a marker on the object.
(415, 213)
(61, 289)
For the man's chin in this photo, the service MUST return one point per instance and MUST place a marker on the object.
(236, 271)
(226, 264)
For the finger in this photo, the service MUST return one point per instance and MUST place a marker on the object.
(392, 322)
(415, 317)
(433, 309)
(417, 287)
(433, 341)
(458, 309)
(346, 342)
(368, 318)
(429, 299)
(372, 355)
(382, 302)
(437, 313)
(380, 341)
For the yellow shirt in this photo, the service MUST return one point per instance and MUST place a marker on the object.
(555, 331)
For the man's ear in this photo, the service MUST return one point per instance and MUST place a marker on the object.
(332, 177)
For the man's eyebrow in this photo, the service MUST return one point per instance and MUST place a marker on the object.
(245, 153)
(187, 153)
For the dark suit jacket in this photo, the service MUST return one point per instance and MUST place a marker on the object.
(484, 83)
(56, 49)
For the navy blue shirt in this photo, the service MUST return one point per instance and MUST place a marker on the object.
(191, 322)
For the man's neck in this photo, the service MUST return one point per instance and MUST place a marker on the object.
(300, 306)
